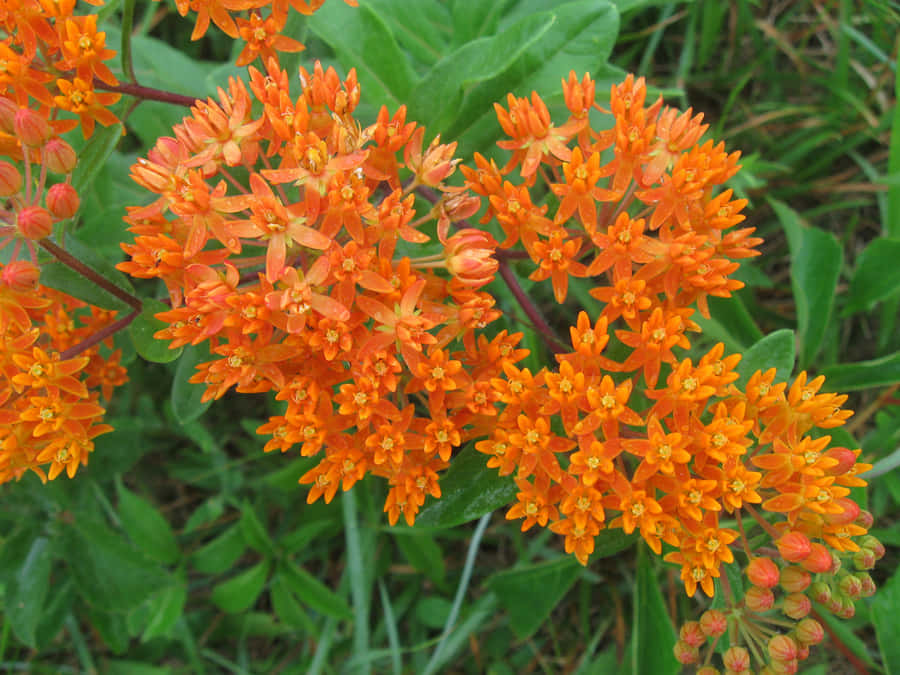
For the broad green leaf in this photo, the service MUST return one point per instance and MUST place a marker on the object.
(432, 611)
(93, 156)
(26, 595)
(111, 574)
(57, 607)
(610, 542)
(884, 617)
(877, 275)
(240, 592)
(422, 552)
(111, 626)
(653, 635)
(531, 592)
(207, 512)
(221, 553)
(186, 396)
(468, 490)
(313, 592)
(476, 18)
(159, 64)
(147, 528)
(435, 100)
(731, 323)
(166, 607)
(773, 351)
(288, 608)
(421, 27)
(144, 327)
(863, 374)
(362, 40)
(127, 667)
(254, 531)
(816, 260)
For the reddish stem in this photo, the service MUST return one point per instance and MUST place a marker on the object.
(554, 344)
(147, 93)
(98, 337)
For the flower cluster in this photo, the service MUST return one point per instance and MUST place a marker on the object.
(624, 433)
(53, 59)
(313, 278)
(52, 371)
(263, 35)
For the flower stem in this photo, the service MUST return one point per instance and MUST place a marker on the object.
(146, 93)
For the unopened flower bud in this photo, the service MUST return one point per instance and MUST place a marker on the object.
(714, 623)
(762, 572)
(692, 634)
(758, 599)
(819, 560)
(59, 156)
(796, 605)
(736, 659)
(31, 127)
(785, 667)
(820, 592)
(21, 276)
(847, 609)
(782, 648)
(8, 110)
(868, 585)
(810, 632)
(873, 545)
(34, 222)
(848, 514)
(864, 559)
(795, 579)
(802, 652)
(62, 200)
(865, 519)
(708, 670)
(470, 257)
(845, 460)
(794, 546)
(851, 587)
(685, 653)
(10, 179)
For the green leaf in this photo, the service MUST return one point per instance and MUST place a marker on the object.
(93, 156)
(313, 592)
(56, 609)
(240, 592)
(254, 531)
(166, 607)
(147, 528)
(287, 607)
(125, 667)
(773, 351)
(816, 260)
(421, 27)
(432, 611)
(863, 374)
(883, 611)
(476, 18)
(531, 592)
(186, 396)
(468, 490)
(435, 101)
(221, 553)
(877, 275)
(26, 595)
(653, 636)
(142, 330)
(422, 552)
(362, 40)
(111, 574)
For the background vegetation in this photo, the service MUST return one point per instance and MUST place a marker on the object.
(185, 549)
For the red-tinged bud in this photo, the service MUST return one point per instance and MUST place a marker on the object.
(795, 579)
(685, 653)
(845, 461)
(849, 513)
(708, 670)
(785, 667)
(736, 659)
(692, 634)
(63, 200)
(851, 587)
(796, 605)
(873, 545)
(762, 572)
(34, 222)
(759, 599)
(21, 276)
(865, 519)
(810, 632)
(802, 652)
(864, 559)
(59, 156)
(820, 592)
(794, 546)
(8, 110)
(31, 127)
(470, 257)
(834, 605)
(714, 623)
(782, 648)
(819, 560)
(847, 609)
(10, 179)
(868, 585)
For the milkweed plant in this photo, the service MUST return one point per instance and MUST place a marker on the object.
(533, 288)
